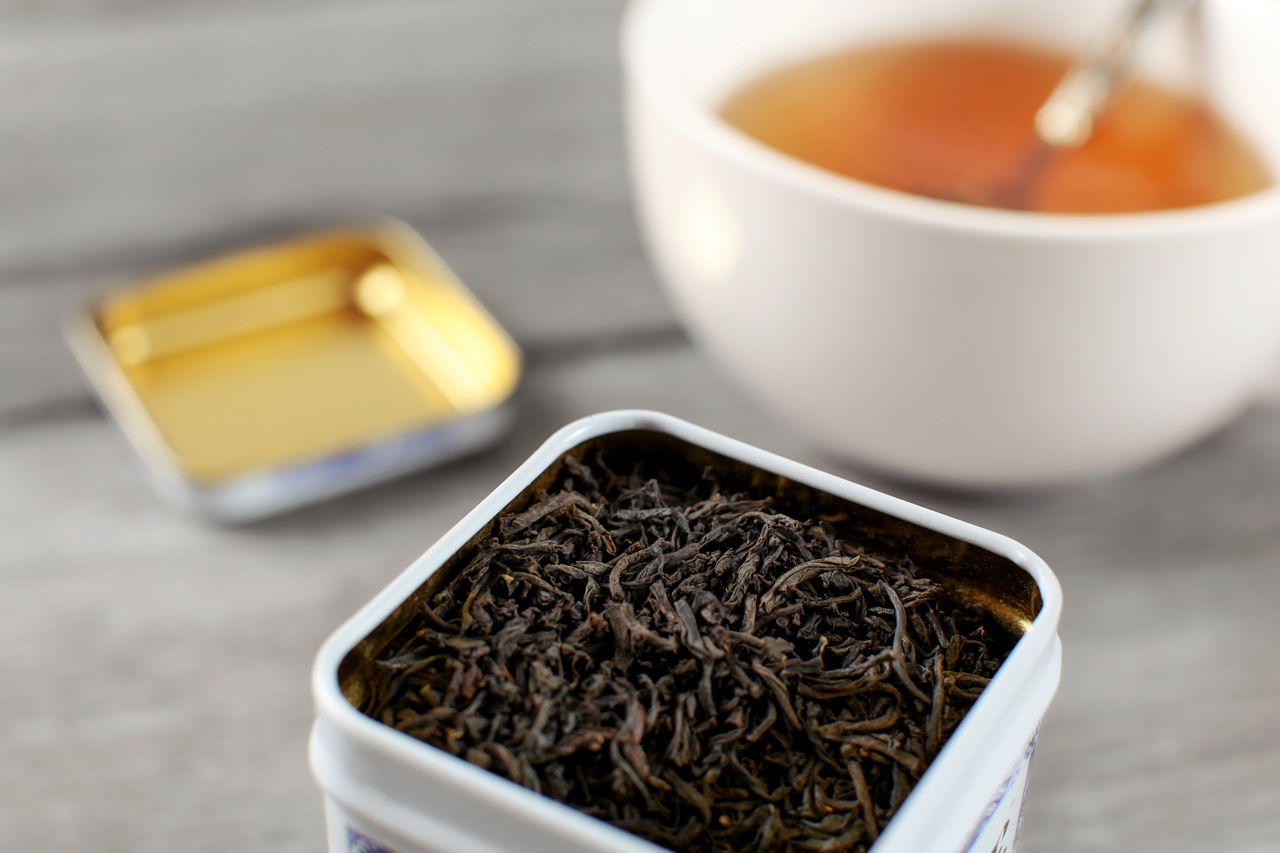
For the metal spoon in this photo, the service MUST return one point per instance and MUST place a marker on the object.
(1067, 118)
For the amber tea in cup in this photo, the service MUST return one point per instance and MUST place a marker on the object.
(955, 120)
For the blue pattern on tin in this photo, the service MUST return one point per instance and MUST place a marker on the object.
(358, 842)
(1005, 843)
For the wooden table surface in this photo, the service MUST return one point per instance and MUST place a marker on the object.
(155, 668)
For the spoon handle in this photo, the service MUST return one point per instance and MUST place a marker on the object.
(1066, 119)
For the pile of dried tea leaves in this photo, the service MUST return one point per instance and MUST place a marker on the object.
(691, 666)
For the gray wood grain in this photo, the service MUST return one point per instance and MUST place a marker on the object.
(155, 668)
(155, 129)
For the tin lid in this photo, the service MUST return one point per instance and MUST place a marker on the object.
(294, 353)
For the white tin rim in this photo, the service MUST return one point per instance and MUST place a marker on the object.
(1018, 693)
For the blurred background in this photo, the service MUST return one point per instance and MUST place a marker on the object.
(155, 668)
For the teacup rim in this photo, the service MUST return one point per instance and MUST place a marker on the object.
(718, 136)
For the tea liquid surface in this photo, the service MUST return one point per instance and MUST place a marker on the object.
(955, 120)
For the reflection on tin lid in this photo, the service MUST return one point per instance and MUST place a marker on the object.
(299, 352)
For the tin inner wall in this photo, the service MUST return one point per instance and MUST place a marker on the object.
(305, 350)
(1007, 595)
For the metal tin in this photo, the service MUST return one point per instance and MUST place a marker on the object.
(387, 792)
(281, 375)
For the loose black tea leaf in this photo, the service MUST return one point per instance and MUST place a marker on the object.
(695, 667)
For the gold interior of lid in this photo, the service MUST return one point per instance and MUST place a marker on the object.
(305, 350)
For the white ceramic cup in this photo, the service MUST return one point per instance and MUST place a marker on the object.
(955, 344)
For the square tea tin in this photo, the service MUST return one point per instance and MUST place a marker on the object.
(386, 791)
(281, 375)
